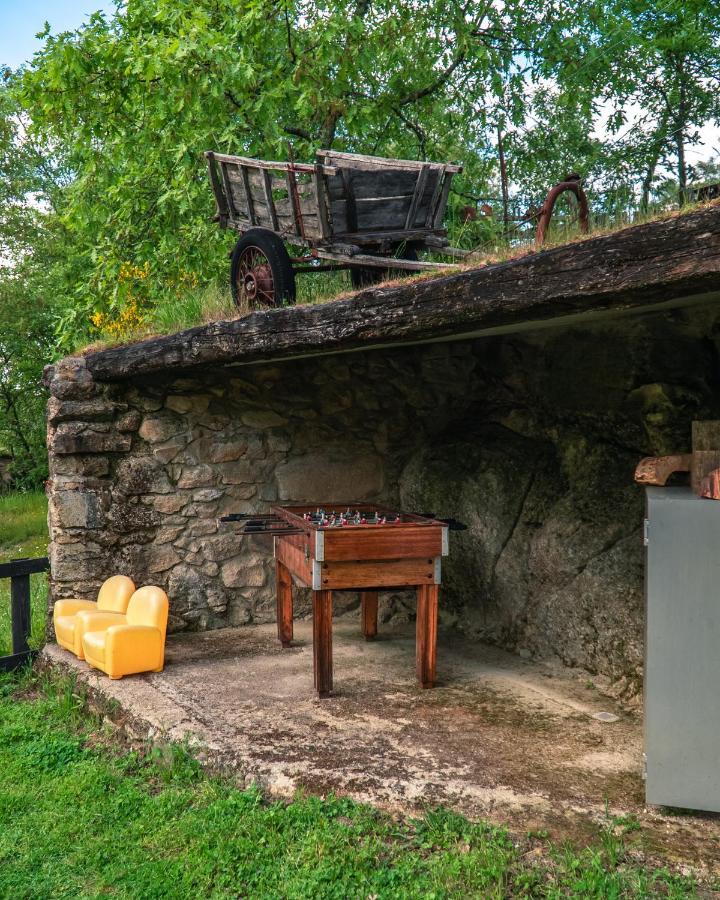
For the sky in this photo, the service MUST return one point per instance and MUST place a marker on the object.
(20, 21)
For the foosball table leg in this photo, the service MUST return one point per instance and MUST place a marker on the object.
(369, 614)
(322, 642)
(426, 634)
(283, 582)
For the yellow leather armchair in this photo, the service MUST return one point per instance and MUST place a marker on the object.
(113, 599)
(131, 643)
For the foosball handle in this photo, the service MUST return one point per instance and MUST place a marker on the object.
(452, 524)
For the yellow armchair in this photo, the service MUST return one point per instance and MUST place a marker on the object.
(132, 643)
(113, 599)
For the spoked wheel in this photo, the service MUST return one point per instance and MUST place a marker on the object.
(261, 274)
(366, 277)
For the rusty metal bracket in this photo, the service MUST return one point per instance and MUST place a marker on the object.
(572, 184)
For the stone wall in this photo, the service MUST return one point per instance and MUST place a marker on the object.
(530, 439)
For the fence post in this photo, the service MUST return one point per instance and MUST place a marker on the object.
(20, 612)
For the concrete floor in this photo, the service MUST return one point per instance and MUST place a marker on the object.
(499, 737)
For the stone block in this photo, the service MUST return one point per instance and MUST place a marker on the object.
(207, 495)
(236, 497)
(330, 476)
(168, 534)
(196, 476)
(82, 560)
(129, 421)
(213, 420)
(240, 472)
(75, 509)
(166, 451)
(188, 404)
(129, 519)
(71, 438)
(142, 475)
(243, 389)
(81, 466)
(69, 379)
(228, 451)
(262, 418)
(144, 401)
(219, 547)
(201, 528)
(200, 510)
(191, 592)
(157, 428)
(151, 559)
(89, 410)
(170, 503)
(244, 571)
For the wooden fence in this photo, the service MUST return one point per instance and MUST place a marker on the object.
(19, 572)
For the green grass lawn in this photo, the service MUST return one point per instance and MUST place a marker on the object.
(23, 532)
(83, 814)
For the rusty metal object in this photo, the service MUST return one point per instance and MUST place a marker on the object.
(657, 469)
(703, 463)
(710, 485)
(572, 184)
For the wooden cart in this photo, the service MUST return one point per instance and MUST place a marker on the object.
(363, 213)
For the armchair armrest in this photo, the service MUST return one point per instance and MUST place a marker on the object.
(133, 648)
(99, 621)
(69, 607)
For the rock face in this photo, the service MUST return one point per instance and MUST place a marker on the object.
(531, 440)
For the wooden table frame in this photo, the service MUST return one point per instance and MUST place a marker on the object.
(365, 558)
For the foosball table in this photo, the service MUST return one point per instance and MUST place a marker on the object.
(340, 547)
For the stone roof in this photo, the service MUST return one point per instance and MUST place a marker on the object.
(660, 264)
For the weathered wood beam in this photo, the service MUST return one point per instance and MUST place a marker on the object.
(641, 267)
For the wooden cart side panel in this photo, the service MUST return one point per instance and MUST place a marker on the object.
(432, 208)
(384, 542)
(418, 196)
(358, 202)
(356, 574)
(268, 197)
(321, 198)
(373, 184)
(443, 200)
(262, 200)
(221, 200)
(358, 160)
(248, 195)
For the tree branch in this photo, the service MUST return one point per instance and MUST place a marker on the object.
(297, 132)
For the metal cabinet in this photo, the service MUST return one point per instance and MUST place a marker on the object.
(682, 649)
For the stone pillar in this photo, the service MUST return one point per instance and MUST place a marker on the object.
(86, 429)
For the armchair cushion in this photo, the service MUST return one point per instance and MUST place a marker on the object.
(65, 631)
(99, 621)
(68, 607)
(94, 647)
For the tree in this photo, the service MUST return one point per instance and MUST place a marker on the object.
(656, 63)
(26, 276)
(133, 101)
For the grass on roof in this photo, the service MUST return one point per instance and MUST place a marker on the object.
(213, 303)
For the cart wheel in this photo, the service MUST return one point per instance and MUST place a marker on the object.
(366, 277)
(261, 274)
